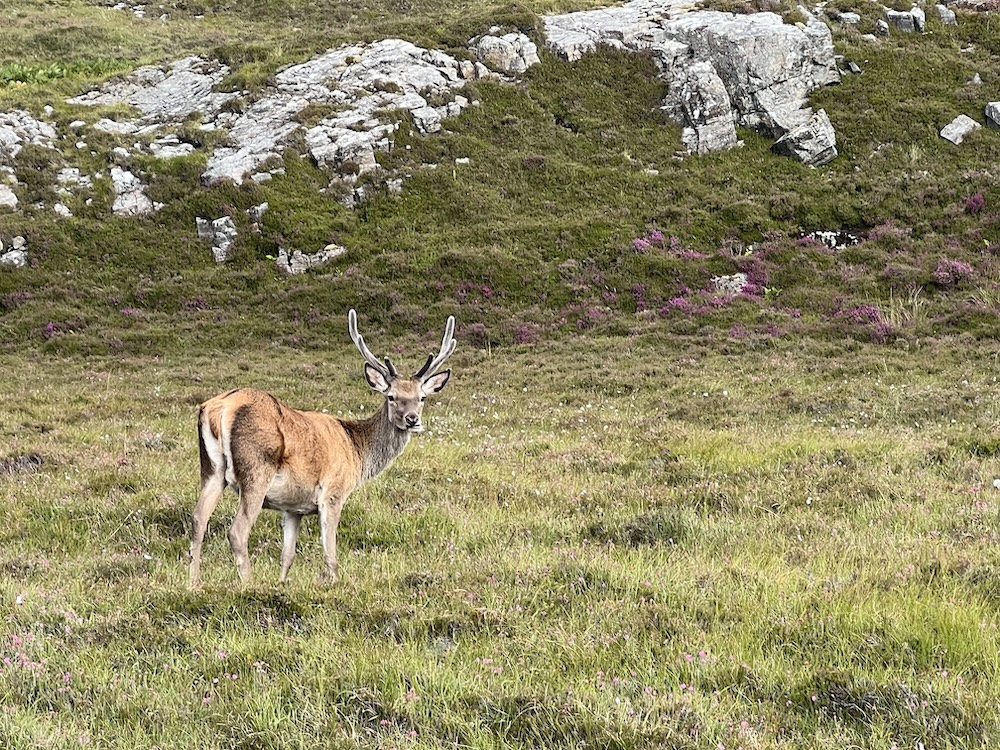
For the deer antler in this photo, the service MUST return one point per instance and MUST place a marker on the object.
(387, 370)
(448, 345)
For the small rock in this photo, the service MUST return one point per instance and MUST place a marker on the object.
(170, 147)
(256, 213)
(7, 197)
(959, 128)
(298, 262)
(204, 228)
(814, 143)
(130, 198)
(733, 285)
(851, 19)
(15, 258)
(946, 15)
(976, 80)
(881, 27)
(224, 237)
(901, 20)
(993, 114)
(221, 233)
(511, 53)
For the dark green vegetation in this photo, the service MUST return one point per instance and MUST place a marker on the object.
(646, 516)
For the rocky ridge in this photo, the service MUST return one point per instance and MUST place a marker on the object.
(723, 71)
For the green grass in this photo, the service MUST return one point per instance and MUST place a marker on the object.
(763, 548)
(644, 516)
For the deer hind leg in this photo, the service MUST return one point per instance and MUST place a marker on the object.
(290, 524)
(255, 451)
(251, 502)
(329, 518)
(208, 498)
(213, 483)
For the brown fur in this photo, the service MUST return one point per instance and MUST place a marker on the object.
(300, 462)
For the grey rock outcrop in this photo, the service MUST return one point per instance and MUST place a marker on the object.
(18, 129)
(698, 98)
(297, 262)
(364, 82)
(221, 233)
(511, 54)
(167, 95)
(814, 143)
(130, 196)
(767, 67)
(958, 129)
(635, 25)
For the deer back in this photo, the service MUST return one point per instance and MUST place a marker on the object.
(255, 434)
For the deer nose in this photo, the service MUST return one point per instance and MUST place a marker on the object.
(412, 420)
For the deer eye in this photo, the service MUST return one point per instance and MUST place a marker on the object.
(391, 398)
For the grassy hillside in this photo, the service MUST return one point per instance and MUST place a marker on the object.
(644, 516)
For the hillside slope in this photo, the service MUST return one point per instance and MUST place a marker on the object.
(538, 232)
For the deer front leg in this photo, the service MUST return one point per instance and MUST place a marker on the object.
(329, 518)
(290, 523)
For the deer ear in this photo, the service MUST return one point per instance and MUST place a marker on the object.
(376, 379)
(435, 383)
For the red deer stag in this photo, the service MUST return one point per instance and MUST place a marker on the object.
(301, 462)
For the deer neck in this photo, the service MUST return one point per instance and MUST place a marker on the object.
(377, 441)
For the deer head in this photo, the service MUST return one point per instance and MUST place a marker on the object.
(405, 396)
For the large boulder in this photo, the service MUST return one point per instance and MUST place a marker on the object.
(767, 67)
